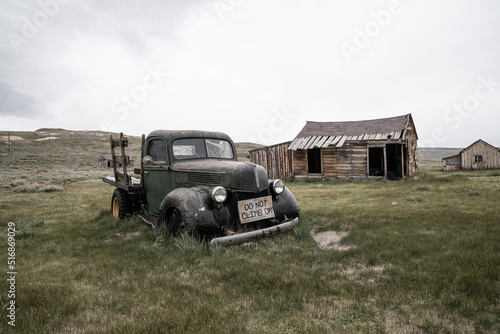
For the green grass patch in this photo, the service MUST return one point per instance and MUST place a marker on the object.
(414, 199)
(422, 187)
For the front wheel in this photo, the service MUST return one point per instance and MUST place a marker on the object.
(121, 204)
(176, 224)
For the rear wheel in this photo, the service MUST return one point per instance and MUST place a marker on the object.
(121, 204)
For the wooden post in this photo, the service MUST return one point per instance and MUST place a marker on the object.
(367, 161)
(402, 161)
(115, 171)
(124, 160)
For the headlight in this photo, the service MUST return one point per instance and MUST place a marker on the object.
(278, 186)
(219, 194)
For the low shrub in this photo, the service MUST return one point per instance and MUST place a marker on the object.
(52, 248)
(414, 199)
(37, 188)
(78, 272)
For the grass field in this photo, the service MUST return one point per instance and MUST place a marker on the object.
(416, 256)
(428, 264)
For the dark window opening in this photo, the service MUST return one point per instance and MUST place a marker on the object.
(376, 161)
(157, 149)
(478, 159)
(314, 160)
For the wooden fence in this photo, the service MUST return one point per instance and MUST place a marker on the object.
(276, 159)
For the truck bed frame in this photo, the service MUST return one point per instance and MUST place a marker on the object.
(122, 179)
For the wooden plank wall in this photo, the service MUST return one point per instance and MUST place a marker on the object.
(348, 161)
(449, 168)
(411, 142)
(277, 160)
(491, 157)
(300, 162)
(452, 163)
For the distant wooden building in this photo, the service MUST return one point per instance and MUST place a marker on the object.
(276, 159)
(380, 148)
(479, 155)
(106, 161)
(453, 162)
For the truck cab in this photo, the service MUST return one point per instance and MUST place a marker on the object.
(191, 182)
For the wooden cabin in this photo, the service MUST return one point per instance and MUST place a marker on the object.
(479, 155)
(380, 148)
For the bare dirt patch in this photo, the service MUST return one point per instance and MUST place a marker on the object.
(330, 240)
(365, 273)
(6, 138)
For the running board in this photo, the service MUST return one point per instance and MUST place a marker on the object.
(149, 220)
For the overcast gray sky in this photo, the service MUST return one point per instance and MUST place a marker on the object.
(254, 69)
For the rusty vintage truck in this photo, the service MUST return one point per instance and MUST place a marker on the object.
(191, 182)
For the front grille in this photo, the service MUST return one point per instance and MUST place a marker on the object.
(204, 178)
(242, 195)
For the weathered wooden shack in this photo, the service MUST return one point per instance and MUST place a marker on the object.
(479, 155)
(380, 148)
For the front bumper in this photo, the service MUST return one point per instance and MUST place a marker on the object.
(257, 234)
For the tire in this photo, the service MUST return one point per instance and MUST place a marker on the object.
(121, 204)
(176, 223)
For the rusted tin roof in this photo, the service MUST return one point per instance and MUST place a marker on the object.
(324, 134)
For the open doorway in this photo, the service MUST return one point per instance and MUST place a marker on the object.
(394, 161)
(376, 161)
(314, 161)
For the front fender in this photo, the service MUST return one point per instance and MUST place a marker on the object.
(195, 206)
(286, 206)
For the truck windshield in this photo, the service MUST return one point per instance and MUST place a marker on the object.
(193, 148)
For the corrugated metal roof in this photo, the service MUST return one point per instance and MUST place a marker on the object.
(324, 134)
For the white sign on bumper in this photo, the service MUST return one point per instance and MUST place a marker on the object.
(255, 209)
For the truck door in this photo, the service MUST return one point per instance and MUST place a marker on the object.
(157, 180)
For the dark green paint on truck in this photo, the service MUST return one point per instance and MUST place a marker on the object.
(181, 176)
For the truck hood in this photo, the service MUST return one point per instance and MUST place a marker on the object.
(236, 175)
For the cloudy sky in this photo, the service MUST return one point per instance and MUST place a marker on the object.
(255, 69)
